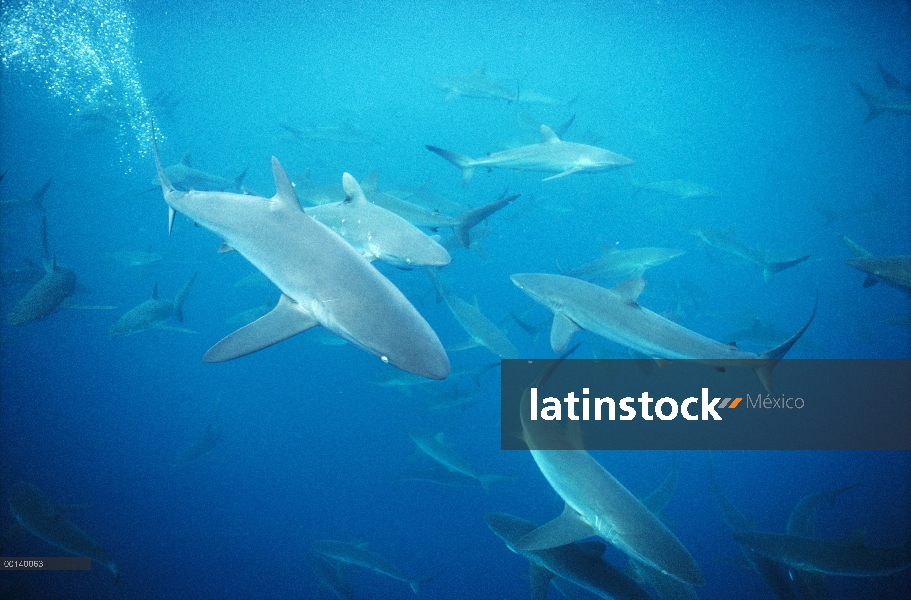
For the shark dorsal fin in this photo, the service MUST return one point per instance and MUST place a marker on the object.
(155, 291)
(353, 192)
(548, 136)
(185, 160)
(630, 289)
(370, 181)
(285, 195)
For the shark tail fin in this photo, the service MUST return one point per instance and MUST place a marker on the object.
(182, 297)
(469, 219)
(770, 359)
(871, 101)
(38, 196)
(466, 163)
(166, 187)
(769, 269)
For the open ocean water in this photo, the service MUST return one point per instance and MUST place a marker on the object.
(212, 480)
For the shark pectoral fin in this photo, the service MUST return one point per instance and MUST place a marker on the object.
(539, 578)
(225, 248)
(561, 332)
(286, 320)
(564, 173)
(870, 281)
(565, 529)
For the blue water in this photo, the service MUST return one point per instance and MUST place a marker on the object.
(750, 98)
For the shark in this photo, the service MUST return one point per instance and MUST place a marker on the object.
(434, 447)
(45, 520)
(362, 556)
(204, 444)
(153, 313)
(344, 134)
(579, 563)
(475, 85)
(323, 280)
(893, 270)
(680, 189)
(848, 556)
(184, 177)
(860, 252)
(597, 504)
(377, 233)
(726, 241)
(440, 475)
(551, 155)
(49, 293)
(330, 575)
(135, 258)
(896, 100)
(615, 314)
(616, 264)
(771, 573)
(35, 201)
(479, 328)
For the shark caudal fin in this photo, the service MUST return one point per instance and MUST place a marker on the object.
(771, 358)
(182, 297)
(465, 163)
(872, 102)
(470, 218)
(770, 268)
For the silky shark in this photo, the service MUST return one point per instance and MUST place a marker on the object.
(360, 555)
(49, 293)
(323, 280)
(475, 85)
(551, 155)
(848, 556)
(893, 270)
(378, 234)
(153, 313)
(616, 264)
(479, 328)
(184, 177)
(204, 444)
(440, 475)
(596, 503)
(615, 314)
(345, 134)
(726, 241)
(578, 563)
(330, 575)
(434, 447)
(44, 519)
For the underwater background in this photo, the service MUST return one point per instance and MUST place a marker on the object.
(752, 99)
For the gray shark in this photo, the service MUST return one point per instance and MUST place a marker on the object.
(378, 234)
(330, 575)
(893, 270)
(680, 189)
(49, 293)
(726, 241)
(434, 447)
(896, 100)
(34, 201)
(344, 134)
(360, 555)
(153, 313)
(579, 563)
(44, 519)
(615, 314)
(323, 280)
(551, 155)
(479, 328)
(849, 556)
(183, 177)
(475, 85)
(616, 264)
(596, 503)
(440, 475)
(771, 573)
